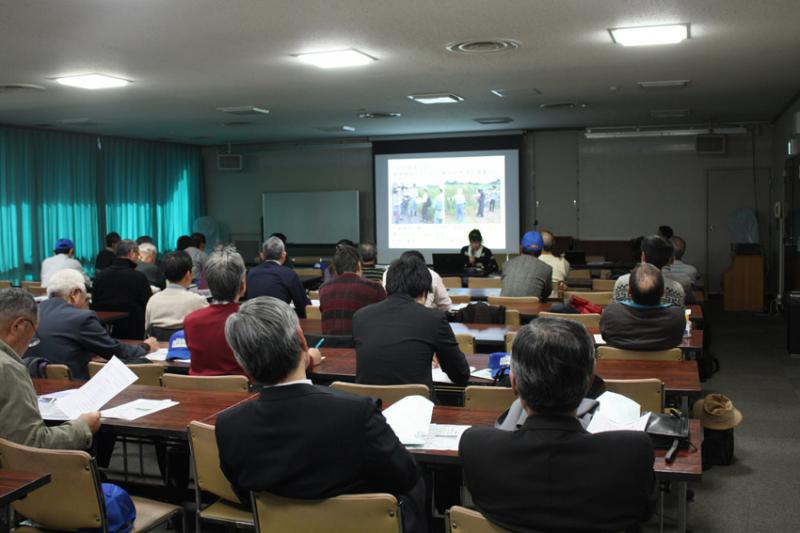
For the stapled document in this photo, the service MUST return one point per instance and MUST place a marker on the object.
(137, 409)
(112, 379)
(410, 419)
(617, 412)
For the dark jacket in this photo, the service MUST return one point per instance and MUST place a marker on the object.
(631, 327)
(485, 260)
(396, 340)
(121, 287)
(153, 274)
(104, 259)
(71, 336)
(311, 442)
(552, 475)
(273, 279)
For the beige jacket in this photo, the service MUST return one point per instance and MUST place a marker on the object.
(20, 420)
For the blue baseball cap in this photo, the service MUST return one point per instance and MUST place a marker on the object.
(177, 347)
(532, 241)
(64, 245)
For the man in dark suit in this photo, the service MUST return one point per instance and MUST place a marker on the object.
(272, 278)
(299, 440)
(644, 321)
(106, 256)
(397, 338)
(551, 474)
(121, 287)
(70, 334)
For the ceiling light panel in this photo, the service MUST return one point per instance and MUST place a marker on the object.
(493, 120)
(663, 84)
(93, 81)
(244, 110)
(336, 58)
(650, 35)
(511, 93)
(379, 115)
(436, 98)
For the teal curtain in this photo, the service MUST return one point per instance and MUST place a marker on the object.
(151, 189)
(48, 190)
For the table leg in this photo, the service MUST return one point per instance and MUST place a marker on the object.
(682, 506)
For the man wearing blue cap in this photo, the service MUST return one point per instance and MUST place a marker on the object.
(526, 275)
(62, 258)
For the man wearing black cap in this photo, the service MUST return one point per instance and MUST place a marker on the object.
(64, 257)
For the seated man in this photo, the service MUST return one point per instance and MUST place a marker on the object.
(643, 322)
(559, 265)
(20, 420)
(168, 308)
(526, 274)
(272, 278)
(397, 338)
(678, 270)
(348, 292)
(148, 254)
(281, 443)
(369, 259)
(70, 334)
(551, 474)
(438, 297)
(107, 255)
(64, 257)
(121, 287)
(658, 252)
(197, 251)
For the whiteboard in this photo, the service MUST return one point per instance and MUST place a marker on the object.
(322, 217)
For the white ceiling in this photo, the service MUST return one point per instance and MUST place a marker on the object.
(188, 57)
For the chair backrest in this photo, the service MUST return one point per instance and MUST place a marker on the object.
(5, 284)
(466, 343)
(509, 340)
(607, 352)
(313, 295)
(460, 298)
(589, 320)
(71, 500)
(331, 341)
(37, 291)
(26, 284)
(205, 461)
(599, 298)
(354, 513)
(452, 282)
(306, 260)
(603, 284)
(488, 398)
(485, 283)
(149, 373)
(463, 520)
(217, 383)
(313, 312)
(52, 371)
(649, 393)
(386, 393)
(580, 273)
(513, 317)
(162, 334)
(511, 300)
(595, 258)
(308, 271)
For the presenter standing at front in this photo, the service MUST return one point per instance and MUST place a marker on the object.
(477, 255)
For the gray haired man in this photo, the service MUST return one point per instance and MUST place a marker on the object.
(20, 420)
(273, 278)
(299, 440)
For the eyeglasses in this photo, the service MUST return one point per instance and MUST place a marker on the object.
(35, 340)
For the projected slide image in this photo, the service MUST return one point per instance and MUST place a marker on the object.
(471, 203)
(413, 204)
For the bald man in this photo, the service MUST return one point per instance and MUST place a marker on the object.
(642, 322)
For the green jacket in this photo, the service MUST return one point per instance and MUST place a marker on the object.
(20, 420)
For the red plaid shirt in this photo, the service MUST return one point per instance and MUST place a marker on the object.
(341, 297)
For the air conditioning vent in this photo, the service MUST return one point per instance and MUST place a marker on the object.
(710, 144)
(229, 162)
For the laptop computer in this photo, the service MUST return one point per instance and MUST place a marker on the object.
(575, 257)
(449, 264)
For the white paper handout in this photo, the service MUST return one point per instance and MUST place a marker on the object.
(485, 373)
(48, 408)
(444, 437)
(159, 355)
(617, 412)
(112, 379)
(137, 409)
(438, 375)
(410, 419)
(598, 339)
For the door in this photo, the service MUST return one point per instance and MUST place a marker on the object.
(729, 190)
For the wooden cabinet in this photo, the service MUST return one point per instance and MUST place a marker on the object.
(743, 288)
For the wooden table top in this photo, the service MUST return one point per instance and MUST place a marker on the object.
(169, 423)
(679, 377)
(107, 317)
(687, 466)
(495, 333)
(16, 484)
